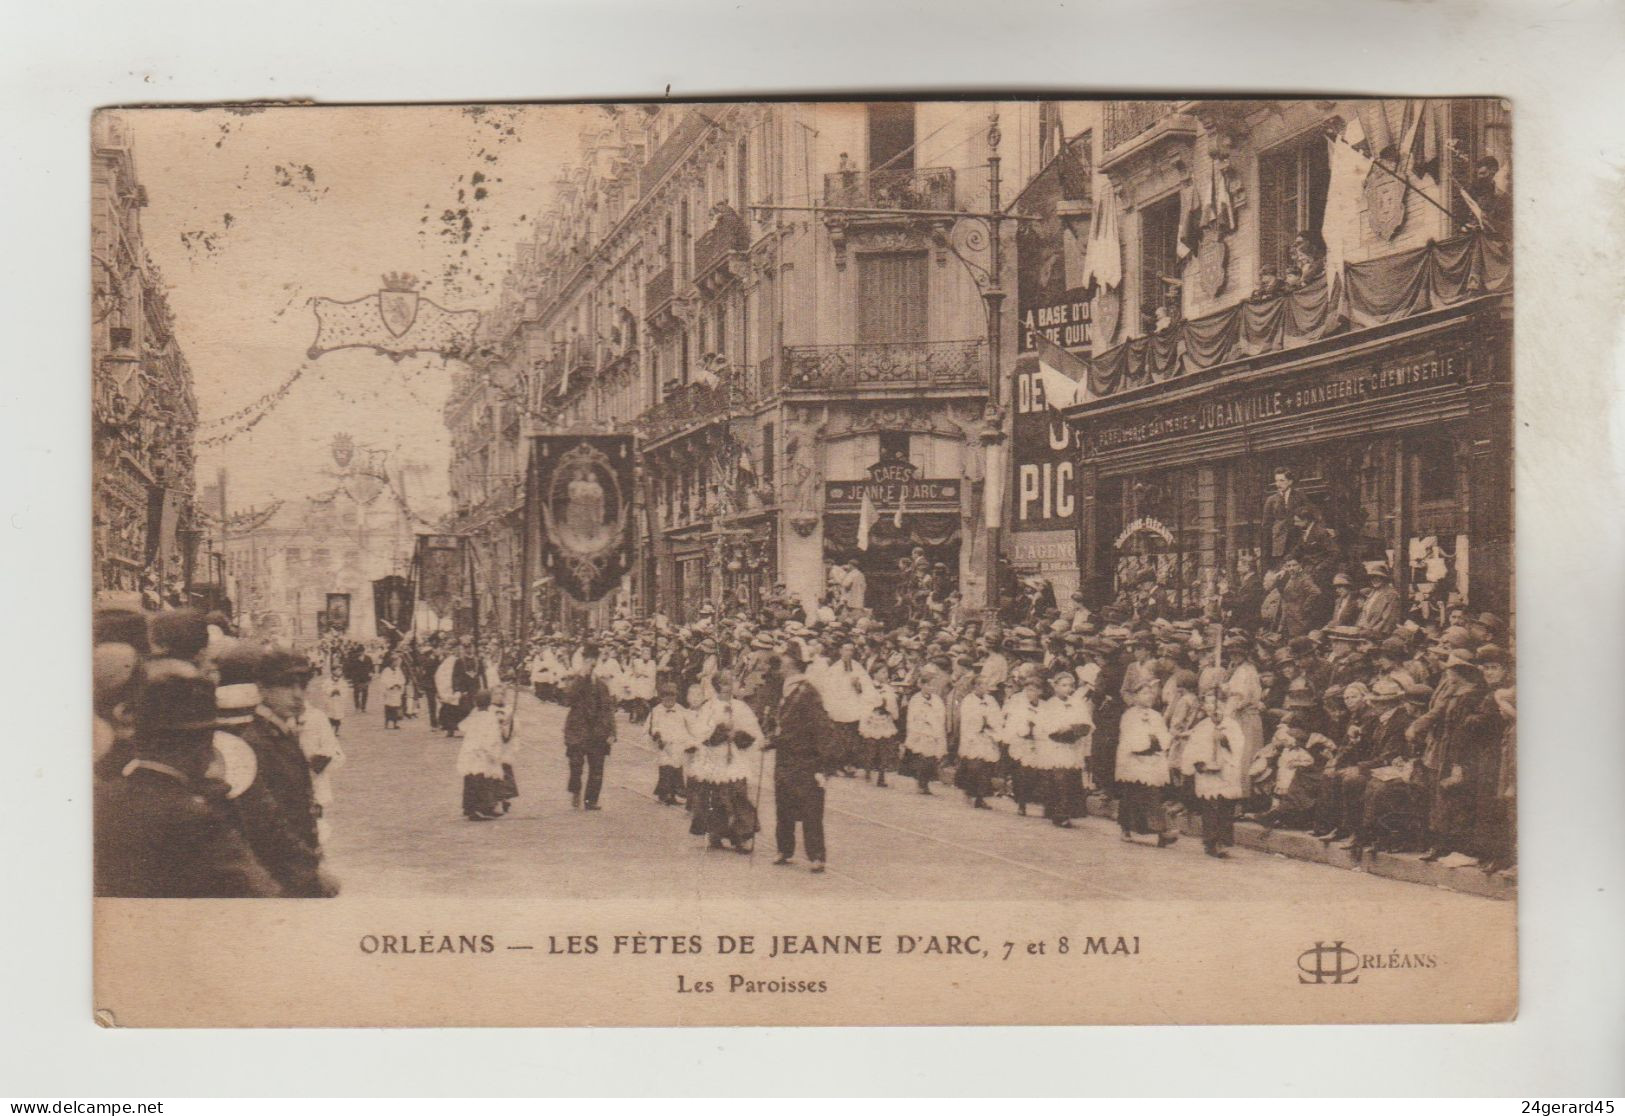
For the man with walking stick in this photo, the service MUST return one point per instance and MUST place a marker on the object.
(806, 744)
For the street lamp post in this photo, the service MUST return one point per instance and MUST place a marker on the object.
(993, 436)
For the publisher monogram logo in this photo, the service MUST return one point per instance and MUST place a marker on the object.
(1329, 964)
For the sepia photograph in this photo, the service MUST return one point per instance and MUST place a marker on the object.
(599, 529)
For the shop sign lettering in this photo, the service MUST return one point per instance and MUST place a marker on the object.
(1145, 525)
(922, 495)
(1342, 387)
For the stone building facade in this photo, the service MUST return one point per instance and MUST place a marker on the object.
(143, 409)
(1379, 377)
(776, 299)
(282, 561)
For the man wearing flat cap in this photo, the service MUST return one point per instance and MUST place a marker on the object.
(163, 829)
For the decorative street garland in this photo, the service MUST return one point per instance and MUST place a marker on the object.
(268, 399)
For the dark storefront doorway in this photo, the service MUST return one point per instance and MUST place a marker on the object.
(892, 593)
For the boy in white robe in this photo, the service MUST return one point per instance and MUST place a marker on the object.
(392, 684)
(479, 761)
(1215, 753)
(980, 723)
(672, 736)
(1021, 740)
(322, 749)
(509, 752)
(642, 684)
(1143, 746)
(1063, 727)
(927, 732)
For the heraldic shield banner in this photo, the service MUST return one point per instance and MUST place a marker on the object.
(580, 500)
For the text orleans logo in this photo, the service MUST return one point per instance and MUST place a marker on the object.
(1329, 964)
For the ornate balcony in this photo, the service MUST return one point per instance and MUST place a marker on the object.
(658, 291)
(657, 295)
(581, 357)
(689, 405)
(910, 365)
(665, 157)
(1131, 128)
(926, 188)
(719, 253)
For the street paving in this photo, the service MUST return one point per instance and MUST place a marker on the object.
(398, 830)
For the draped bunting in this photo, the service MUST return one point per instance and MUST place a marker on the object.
(927, 529)
(1370, 293)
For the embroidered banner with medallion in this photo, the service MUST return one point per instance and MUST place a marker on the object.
(580, 508)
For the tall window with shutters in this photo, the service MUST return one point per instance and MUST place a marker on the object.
(891, 297)
(1292, 183)
(1159, 258)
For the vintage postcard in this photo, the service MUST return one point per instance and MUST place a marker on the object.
(804, 563)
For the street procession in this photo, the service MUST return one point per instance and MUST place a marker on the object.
(923, 499)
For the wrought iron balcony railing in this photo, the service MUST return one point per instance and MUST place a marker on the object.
(1126, 119)
(687, 405)
(695, 404)
(905, 364)
(926, 188)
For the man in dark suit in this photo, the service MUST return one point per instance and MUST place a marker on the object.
(278, 811)
(1278, 512)
(163, 830)
(806, 745)
(589, 729)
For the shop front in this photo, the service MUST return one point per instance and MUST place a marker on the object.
(730, 565)
(1398, 440)
(906, 539)
(691, 576)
